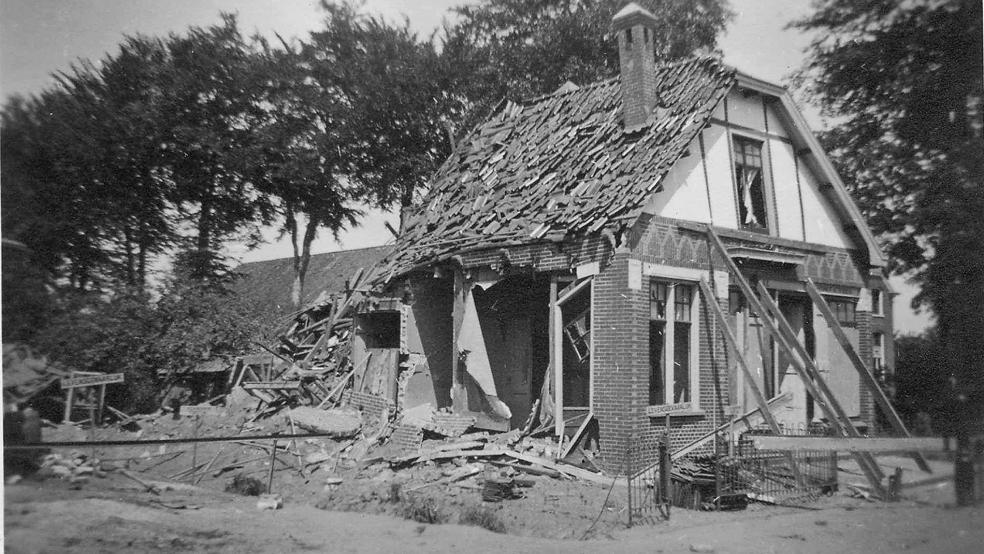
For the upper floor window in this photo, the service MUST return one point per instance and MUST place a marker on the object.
(876, 302)
(750, 183)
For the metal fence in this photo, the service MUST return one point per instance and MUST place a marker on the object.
(776, 477)
(647, 502)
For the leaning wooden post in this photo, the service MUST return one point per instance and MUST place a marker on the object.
(866, 377)
(273, 462)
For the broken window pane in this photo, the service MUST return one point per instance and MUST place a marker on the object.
(657, 303)
(657, 335)
(681, 362)
(683, 298)
(578, 332)
(748, 179)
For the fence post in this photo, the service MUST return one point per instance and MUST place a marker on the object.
(664, 472)
(628, 477)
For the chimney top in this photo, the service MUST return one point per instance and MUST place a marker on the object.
(632, 14)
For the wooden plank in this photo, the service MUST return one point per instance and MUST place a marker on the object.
(91, 380)
(577, 434)
(562, 468)
(743, 419)
(557, 357)
(272, 385)
(848, 444)
(866, 376)
(869, 467)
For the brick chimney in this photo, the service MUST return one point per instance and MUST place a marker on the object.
(634, 26)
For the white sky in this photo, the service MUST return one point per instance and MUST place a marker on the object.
(39, 37)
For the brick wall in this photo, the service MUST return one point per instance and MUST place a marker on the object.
(620, 364)
(863, 320)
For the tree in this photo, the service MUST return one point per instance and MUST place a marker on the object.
(514, 49)
(210, 93)
(906, 81)
(298, 155)
(392, 98)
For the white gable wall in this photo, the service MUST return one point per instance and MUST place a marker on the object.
(797, 209)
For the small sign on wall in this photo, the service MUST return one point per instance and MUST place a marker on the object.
(587, 270)
(635, 274)
(663, 409)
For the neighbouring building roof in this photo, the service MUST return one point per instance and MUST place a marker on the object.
(558, 165)
(267, 284)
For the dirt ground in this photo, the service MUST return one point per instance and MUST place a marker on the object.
(347, 500)
(112, 514)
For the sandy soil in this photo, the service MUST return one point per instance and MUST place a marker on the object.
(113, 514)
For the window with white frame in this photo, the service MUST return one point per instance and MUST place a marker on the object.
(878, 352)
(750, 183)
(673, 350)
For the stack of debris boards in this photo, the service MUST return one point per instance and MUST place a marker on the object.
(694, 481)
(311, 364)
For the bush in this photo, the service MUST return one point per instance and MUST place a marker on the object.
(480, 516)
(246, 486)
(423, 510)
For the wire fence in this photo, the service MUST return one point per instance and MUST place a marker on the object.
(725, 481)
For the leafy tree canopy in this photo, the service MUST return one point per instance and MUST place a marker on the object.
(905, 80)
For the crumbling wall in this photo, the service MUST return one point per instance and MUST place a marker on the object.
(429, 332)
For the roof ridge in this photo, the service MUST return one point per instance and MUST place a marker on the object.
(344, 250)
(666, 63)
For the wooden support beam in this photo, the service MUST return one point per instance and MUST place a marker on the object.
(745, 420)
(868, 466)
(763, 403)
(866, 376)
(848, 444)
(557, 357)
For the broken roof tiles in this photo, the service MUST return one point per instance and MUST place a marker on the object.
(559, 165)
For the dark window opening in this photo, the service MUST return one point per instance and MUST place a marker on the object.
(843, 311)
(750, 183)
(657, 334)
(876, 302)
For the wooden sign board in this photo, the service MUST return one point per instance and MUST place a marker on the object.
(200, 410)
(91, 380)
(663, 409)
(272, 385)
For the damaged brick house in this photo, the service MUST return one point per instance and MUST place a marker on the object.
(556, 262)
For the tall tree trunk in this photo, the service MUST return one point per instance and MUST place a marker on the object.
(301, 267)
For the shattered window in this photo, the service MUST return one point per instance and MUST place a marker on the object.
(750, 184)
(578, 332)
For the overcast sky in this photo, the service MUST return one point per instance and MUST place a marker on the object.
(39, 37)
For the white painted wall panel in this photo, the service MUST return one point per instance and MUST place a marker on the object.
(787, 195)
(719, 175)
(746, 112)
(823, 226)
(684, 194)
(775, 123)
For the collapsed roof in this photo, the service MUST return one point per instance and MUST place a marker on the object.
(559, 165)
